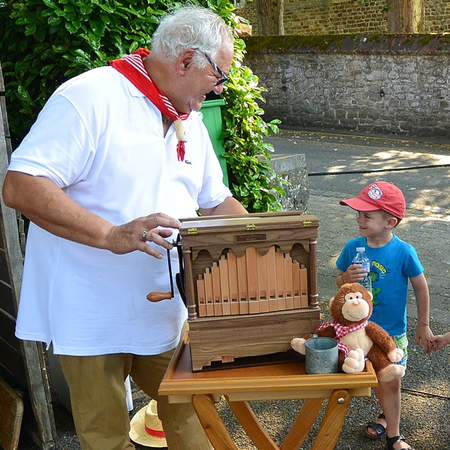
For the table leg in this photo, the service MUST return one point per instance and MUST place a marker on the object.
(252, 426)
(212, 422)
(326, 438)
(333, 420)
(303, 423)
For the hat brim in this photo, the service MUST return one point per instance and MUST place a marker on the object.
(359, 204)
(140, 436)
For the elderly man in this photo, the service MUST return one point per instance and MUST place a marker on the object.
(116, 155)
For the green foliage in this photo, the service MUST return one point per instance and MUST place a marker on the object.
(252, 180)
(45, 42)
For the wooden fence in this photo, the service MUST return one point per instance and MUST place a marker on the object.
(22, 363)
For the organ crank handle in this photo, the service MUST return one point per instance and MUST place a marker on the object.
(158, 296)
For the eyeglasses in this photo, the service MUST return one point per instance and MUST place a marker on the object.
(224, 76)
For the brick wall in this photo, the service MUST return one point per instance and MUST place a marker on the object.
(313, 17)
(381, 84)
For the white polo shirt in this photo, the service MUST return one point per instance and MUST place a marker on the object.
(101, 141)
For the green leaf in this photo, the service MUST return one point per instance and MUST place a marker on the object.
(51, 3)
(46, 70)
(97, 27)
(30, 29)
(54, 21)
(72, 27)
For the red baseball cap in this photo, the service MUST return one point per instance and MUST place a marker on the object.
(380, 195)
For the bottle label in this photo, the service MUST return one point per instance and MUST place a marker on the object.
(366, 282)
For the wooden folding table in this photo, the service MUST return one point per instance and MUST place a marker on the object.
(281, 381)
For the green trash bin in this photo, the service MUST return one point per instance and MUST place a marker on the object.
(212, 118)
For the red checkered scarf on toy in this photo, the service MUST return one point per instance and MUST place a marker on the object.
(341, 331)
(132, 67)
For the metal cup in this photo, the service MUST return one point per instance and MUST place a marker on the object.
(321, 355)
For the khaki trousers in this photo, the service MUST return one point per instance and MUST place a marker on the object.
(98, 400)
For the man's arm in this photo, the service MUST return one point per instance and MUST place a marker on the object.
(49, 207)
(229, 206)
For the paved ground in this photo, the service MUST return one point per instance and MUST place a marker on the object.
(338, 167)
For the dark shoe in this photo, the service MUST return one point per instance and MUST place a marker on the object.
(380, 430)
(391, 441)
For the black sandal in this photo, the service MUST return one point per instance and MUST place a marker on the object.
(380, 430)
(391, 441)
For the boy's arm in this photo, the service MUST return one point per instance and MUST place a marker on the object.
(340, 279)
(423, 334)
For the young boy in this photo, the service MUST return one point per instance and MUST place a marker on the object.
(380, 207)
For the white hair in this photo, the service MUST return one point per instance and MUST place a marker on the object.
(191, 27)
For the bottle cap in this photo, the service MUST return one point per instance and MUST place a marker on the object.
(360, 249)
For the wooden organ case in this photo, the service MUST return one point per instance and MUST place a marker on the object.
(250, 282)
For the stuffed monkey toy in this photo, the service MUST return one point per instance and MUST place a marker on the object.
(358, 338)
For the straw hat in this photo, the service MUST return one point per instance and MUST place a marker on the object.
(146, 428)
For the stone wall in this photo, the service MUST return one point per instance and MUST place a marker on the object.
(437, 16)
(313, 17)
(293, 170)
(380, 84)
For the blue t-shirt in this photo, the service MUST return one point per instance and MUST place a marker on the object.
(391, 266)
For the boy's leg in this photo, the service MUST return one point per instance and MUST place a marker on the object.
(98, 399)
(182, 428)
(389, 396)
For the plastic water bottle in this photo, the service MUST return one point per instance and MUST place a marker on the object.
(361, 258)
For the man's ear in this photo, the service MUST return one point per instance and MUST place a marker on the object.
(184, 61)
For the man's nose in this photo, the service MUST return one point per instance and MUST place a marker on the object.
(218, 89)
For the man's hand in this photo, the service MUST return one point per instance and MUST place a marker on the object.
(136, 234)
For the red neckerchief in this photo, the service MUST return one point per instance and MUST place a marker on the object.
(341, 331)
(132, 67)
